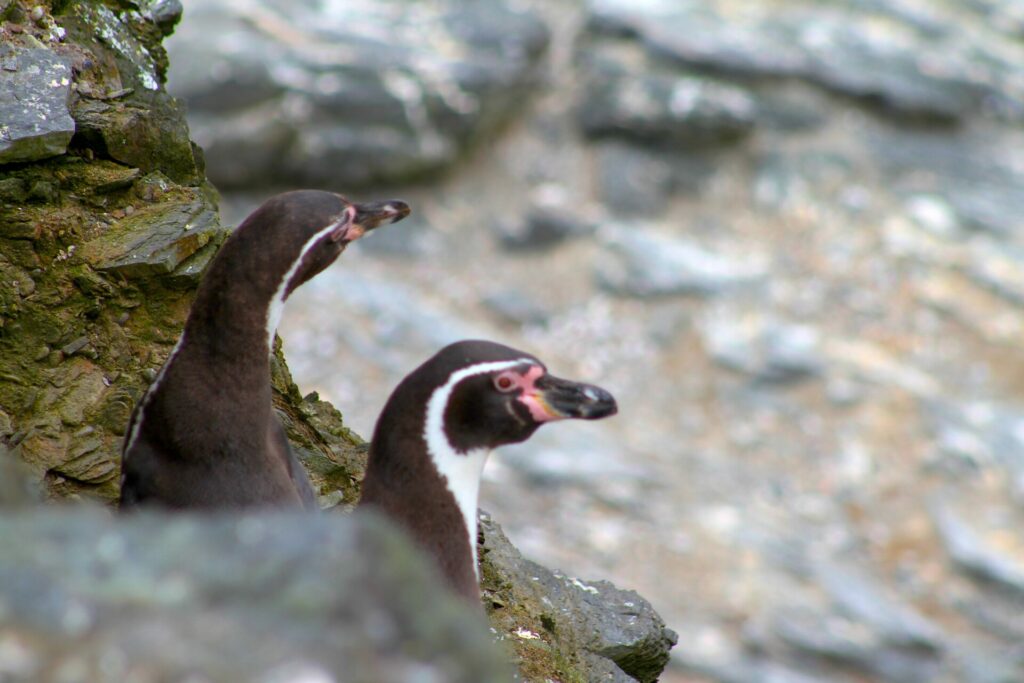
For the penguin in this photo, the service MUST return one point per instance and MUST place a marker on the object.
(204, 435)
(436, 431)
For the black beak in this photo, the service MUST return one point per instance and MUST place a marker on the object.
(371, 214)
(562, 398)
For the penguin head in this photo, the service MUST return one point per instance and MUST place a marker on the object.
(323, 224)
(487, 395)
(296, 235)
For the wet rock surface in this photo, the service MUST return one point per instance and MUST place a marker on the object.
(349, 94)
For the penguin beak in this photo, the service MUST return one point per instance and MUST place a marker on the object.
(371, 214)
(554, 398)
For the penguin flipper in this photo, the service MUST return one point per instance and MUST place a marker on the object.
(279, 443)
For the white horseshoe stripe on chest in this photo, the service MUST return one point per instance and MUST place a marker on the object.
(461, 471)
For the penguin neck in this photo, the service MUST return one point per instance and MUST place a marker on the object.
(231, 327)
(431, 494)
(462, 473)
(421, 481)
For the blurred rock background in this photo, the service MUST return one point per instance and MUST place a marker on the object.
(787, 235)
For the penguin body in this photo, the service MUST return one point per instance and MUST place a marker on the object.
(204, 435)
(437, 429)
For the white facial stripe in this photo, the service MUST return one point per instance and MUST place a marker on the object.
(462, 471)
(276, 308)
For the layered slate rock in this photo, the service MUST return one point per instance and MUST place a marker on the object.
(349, 93)
(35, 89)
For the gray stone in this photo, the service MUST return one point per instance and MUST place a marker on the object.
(164, 13)
(861, 598)
(351, 93)
(785, 178)
(269, 597)
(979, 435)
(831, 638)
(882, 58)
(596, 617)
(638, 181)
(642, 263)
(155, 239)
(152, 137)
(767, 350)
(976, 173)
(35, 88)
(999, 268)
(543, 227)
(969, 551)
(512, 306)
(662, 109)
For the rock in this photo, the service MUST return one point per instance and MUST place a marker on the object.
(905, 65)
(975, 173)
(545, 226)
(637, 181)
(151, 137)
(794, 179)
(17, 491)
(767, 350)
(860, 597)
(849, 642)
(349, 94)
(164, 13)
(998, 268)
(663, 109)
(156, 239)
(551, 619)
(973, 554)
(641, 263)
(575, 456)
(980, 435)
(934, 215)
(269, 597)
(512, 306)
(35, 89)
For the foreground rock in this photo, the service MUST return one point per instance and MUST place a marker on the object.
(268, 598)
(349, 93)
(609, 634)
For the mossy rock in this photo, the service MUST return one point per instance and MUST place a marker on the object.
(101, 249)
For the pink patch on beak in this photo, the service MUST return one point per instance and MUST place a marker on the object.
(347, 229)
(533, 399)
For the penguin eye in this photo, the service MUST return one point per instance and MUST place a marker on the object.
(504, 383)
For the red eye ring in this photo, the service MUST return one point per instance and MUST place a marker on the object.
(504, 383)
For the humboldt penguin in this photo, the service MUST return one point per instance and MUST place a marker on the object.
(437, 430)
(205, 435)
